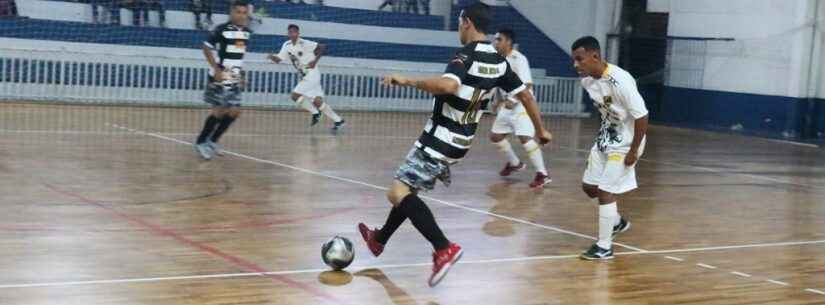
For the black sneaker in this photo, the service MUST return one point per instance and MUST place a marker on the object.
(622, 227)
(597, 253)
(339, 125)
(315, 119)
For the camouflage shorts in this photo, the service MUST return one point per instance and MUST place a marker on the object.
(220, 95)
(420, 171)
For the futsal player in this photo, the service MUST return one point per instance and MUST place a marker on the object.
(223, 91)
(511, 118)
(611, 166)
(308, 94)
(470, 75)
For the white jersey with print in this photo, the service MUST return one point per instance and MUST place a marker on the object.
(300, 54)
(513, 118)
(618, 100)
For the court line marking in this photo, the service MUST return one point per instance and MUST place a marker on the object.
(673, 258)
(230, 259)
(815, 291)
(742, 274)
(384, 266)
(312, 172)
(778, 282)
(703, 265)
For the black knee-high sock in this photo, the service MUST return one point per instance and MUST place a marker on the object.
(208, 128)
(424, 221)
(222, 127)
(394, 220)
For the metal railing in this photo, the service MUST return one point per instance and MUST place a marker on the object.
(89, 78)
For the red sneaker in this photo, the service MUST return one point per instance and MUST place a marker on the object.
(443, 260)
(540, 181)
(369, 237)
(509, 169)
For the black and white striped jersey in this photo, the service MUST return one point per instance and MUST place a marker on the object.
(451, 129)
(230, 41)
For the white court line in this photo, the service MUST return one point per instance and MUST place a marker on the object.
(311, 172)
(778, 282)
(287, 272)
(706, 266)
(764, 245)
(815, 291)
(673, 258)
(302, 271)
(742, 274)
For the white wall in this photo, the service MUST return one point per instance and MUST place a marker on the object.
(770, 52)
(564, 21)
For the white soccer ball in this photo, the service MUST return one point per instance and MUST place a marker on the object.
(337, 253)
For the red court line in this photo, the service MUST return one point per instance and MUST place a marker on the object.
(234, 260)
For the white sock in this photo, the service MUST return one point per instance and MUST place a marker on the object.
(608, 214)
(505, 148)
(308, 106)
(327, 110)
(536, 157)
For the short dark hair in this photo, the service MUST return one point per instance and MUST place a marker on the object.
(509, 33)
(239, 3)
(479, 15)
(293, 26)
(589, 43)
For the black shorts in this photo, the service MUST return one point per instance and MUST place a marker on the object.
(223, 95)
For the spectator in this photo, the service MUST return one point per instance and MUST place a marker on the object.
(395, 4)
(149, 5)
(7, 8)
(202, 7)
(114, 11)
(425, 6)
(411, 6)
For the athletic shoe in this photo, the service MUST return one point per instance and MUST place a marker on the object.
(215, 147)
(443, 260)
(315, 119)
(204, 151)
(339, 125)
(622, 227)
(540, 181)
(597, 253)
(369, 237)
(509, 169)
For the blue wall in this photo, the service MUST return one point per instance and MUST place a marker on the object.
(176, 38)
(762, 115)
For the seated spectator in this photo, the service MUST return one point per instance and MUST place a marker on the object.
(411, 6)
(394, 4)
(7, 8)
(149, 5)
(425, 5)
(199, 7)
(114, 10)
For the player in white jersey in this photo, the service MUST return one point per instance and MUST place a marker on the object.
(308, 94)
(611, 166)
(511, 118)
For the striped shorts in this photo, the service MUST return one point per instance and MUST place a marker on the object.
(222, 95)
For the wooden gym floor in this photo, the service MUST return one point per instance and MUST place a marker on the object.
(109, 205)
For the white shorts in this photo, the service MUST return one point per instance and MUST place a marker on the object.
(513, 121)
(608, 172)
(310, 85)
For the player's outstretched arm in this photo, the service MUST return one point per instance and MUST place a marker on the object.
(210, 58)
(274, 58)
(533, 112)
(435, 85)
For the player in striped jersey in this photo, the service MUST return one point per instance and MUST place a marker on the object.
(511, 117)
(471, 74)
(225, 78)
